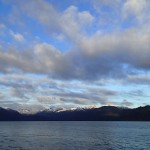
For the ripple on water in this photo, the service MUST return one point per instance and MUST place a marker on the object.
(75, 135)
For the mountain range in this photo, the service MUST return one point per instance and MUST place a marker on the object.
(105, 113)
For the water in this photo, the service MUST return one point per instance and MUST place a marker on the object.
(74, 135)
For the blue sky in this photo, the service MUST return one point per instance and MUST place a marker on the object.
(69, 54)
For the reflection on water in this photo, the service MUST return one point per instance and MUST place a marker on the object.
(74, 135)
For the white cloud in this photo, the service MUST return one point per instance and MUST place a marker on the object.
(136, 8)
(17, 36)
(73, 22)
(70, 23)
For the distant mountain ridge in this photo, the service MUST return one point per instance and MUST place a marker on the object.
(105, 113)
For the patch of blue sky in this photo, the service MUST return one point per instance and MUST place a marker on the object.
(3, 87)
(4, 9)
(63, 5)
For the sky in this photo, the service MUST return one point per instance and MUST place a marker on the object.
(68, 54)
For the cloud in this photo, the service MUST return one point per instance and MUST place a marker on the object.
(69, 24)
(46, 92)
(17, 36)
(67, 93)
(138, 79)
(100, 56)
(137, 93)
(136, 8)
(126, 103)
(43, 57)
(73, 23)
(114, 55)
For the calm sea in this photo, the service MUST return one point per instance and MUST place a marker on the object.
(75, 135)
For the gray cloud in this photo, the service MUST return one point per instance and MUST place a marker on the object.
(137, 79)
(101, 55)
(24, 90)
(126, 103)
(92, 59)
(137, 93)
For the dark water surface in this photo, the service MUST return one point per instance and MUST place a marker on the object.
(75, 135)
